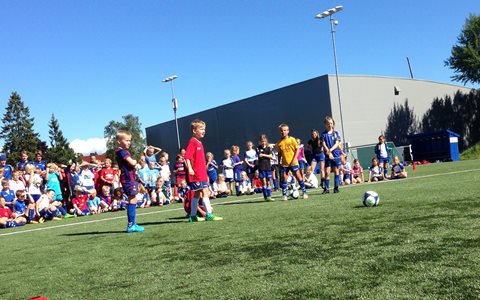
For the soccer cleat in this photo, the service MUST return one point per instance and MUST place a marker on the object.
(56, 218)
(66, 216)
(284, 198)
(212, 217)
(195, 219)
(34, 222)
(325, 191)
(134, 228)
(305, 196)
(336, 190)
(41, 220)
(269, 199)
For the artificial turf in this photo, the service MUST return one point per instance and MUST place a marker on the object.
(422, 241)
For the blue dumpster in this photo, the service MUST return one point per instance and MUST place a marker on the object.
(435, 146)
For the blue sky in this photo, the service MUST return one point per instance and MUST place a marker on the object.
(90, 62)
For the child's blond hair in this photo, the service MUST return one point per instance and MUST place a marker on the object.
(196, 124)
(235, 149)
(123, 134)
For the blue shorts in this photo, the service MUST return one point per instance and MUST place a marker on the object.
(335, 162)
(265, 174)
(347, 176)
(251, 170)
(294, 169)
(382, 160)
(301, 165)
(196, 186)
(35, 197)
(228, 179)
(166, 183)
(130, 188)
(319, 157)
(237, 176)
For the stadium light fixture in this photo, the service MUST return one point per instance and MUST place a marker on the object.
(333, 23)
(174, 104)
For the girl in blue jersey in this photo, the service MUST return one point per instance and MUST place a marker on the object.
(331, 144)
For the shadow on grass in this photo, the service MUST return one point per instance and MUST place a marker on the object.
(160, 222)
(243, 202)
(94, 233)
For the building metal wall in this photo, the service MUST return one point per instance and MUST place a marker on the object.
(302, 106)
(366, 104)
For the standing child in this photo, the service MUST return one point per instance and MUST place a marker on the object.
(150, 154)
(250, 158)
(287, 148)
(331, 142)
(197, 172)
(227, 164)
(179, 170)
(237, 168)
(127, 177)
(107, 175)
(265, 167)
(211, 168)
(318, 158)
(8, 169)
(383, 154)
(302, 161)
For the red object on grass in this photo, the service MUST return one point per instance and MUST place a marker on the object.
(414, 167)
(38, 298)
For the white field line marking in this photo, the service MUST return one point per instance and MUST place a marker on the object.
(221, 203)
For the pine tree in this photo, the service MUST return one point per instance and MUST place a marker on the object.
(17, 130)
(59, 151)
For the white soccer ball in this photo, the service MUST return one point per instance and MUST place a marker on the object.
(370, 198)
(295, 194)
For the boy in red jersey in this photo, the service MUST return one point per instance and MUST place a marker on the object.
(197, 177)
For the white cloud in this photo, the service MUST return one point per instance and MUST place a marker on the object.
(92, 145)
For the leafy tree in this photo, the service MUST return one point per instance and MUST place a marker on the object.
(460, 114)
(60, 151)
(17, 130)
(465, 56)
(130, 123)
(401, 123)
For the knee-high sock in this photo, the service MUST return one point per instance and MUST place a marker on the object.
(193, 207)
(62, 210)
(284, 188)
(327, 183)
(302, 185)
(131, 213)
(208, 206)
(337, 180)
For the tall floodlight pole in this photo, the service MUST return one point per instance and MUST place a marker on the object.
(174, 104)
(333, 23)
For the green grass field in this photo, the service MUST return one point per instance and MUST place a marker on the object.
(421, 242)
